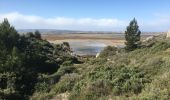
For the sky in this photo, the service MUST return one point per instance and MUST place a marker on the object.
(87, 15)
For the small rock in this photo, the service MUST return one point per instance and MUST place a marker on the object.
(97, 55)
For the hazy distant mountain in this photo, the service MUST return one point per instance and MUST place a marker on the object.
(46, 31)
(54, 31)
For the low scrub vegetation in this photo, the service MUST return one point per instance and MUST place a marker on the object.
(32, 68)
(142, 74)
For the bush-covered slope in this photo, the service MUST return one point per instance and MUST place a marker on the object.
(32, 68)
(142, 74)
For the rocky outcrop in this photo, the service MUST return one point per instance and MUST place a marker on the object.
(168, 34)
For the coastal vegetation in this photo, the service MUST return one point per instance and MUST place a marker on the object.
(33, 68)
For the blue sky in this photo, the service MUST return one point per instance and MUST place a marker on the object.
(94, 15)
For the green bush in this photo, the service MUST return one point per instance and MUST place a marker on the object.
(7, 87)
(107, 80)
(66, 83)
(108, 51)
(66, 70)
(158, 89)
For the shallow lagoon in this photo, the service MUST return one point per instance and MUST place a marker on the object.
(87, 48)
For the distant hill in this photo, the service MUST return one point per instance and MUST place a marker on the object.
(55, 31)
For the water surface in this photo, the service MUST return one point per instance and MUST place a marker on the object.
(87, 48)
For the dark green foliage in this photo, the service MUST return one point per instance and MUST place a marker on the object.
(23, 58)
(37, 34)
(66, 44)
(7, 86)
(39, 54)
(29, 35)
(132, 36)
(8, 35)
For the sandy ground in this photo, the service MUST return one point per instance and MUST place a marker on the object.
(83, 36)
(107, 39)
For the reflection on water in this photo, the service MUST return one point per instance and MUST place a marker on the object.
(87, 48)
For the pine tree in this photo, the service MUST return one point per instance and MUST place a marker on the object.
(8, 35)
(132, 36)
(37, 34)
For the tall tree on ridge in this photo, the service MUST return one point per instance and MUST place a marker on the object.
(132, 36)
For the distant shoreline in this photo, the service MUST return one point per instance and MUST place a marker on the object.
(85, 44)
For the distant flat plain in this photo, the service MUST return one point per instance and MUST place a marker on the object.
(107, 39)
(89, 43)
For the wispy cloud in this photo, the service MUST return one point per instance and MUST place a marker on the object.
(159, 22)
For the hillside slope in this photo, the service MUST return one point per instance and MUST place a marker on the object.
(143, 74)
(24, 59)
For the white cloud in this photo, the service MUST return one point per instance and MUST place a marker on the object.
(21, 21)
(159, 22)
